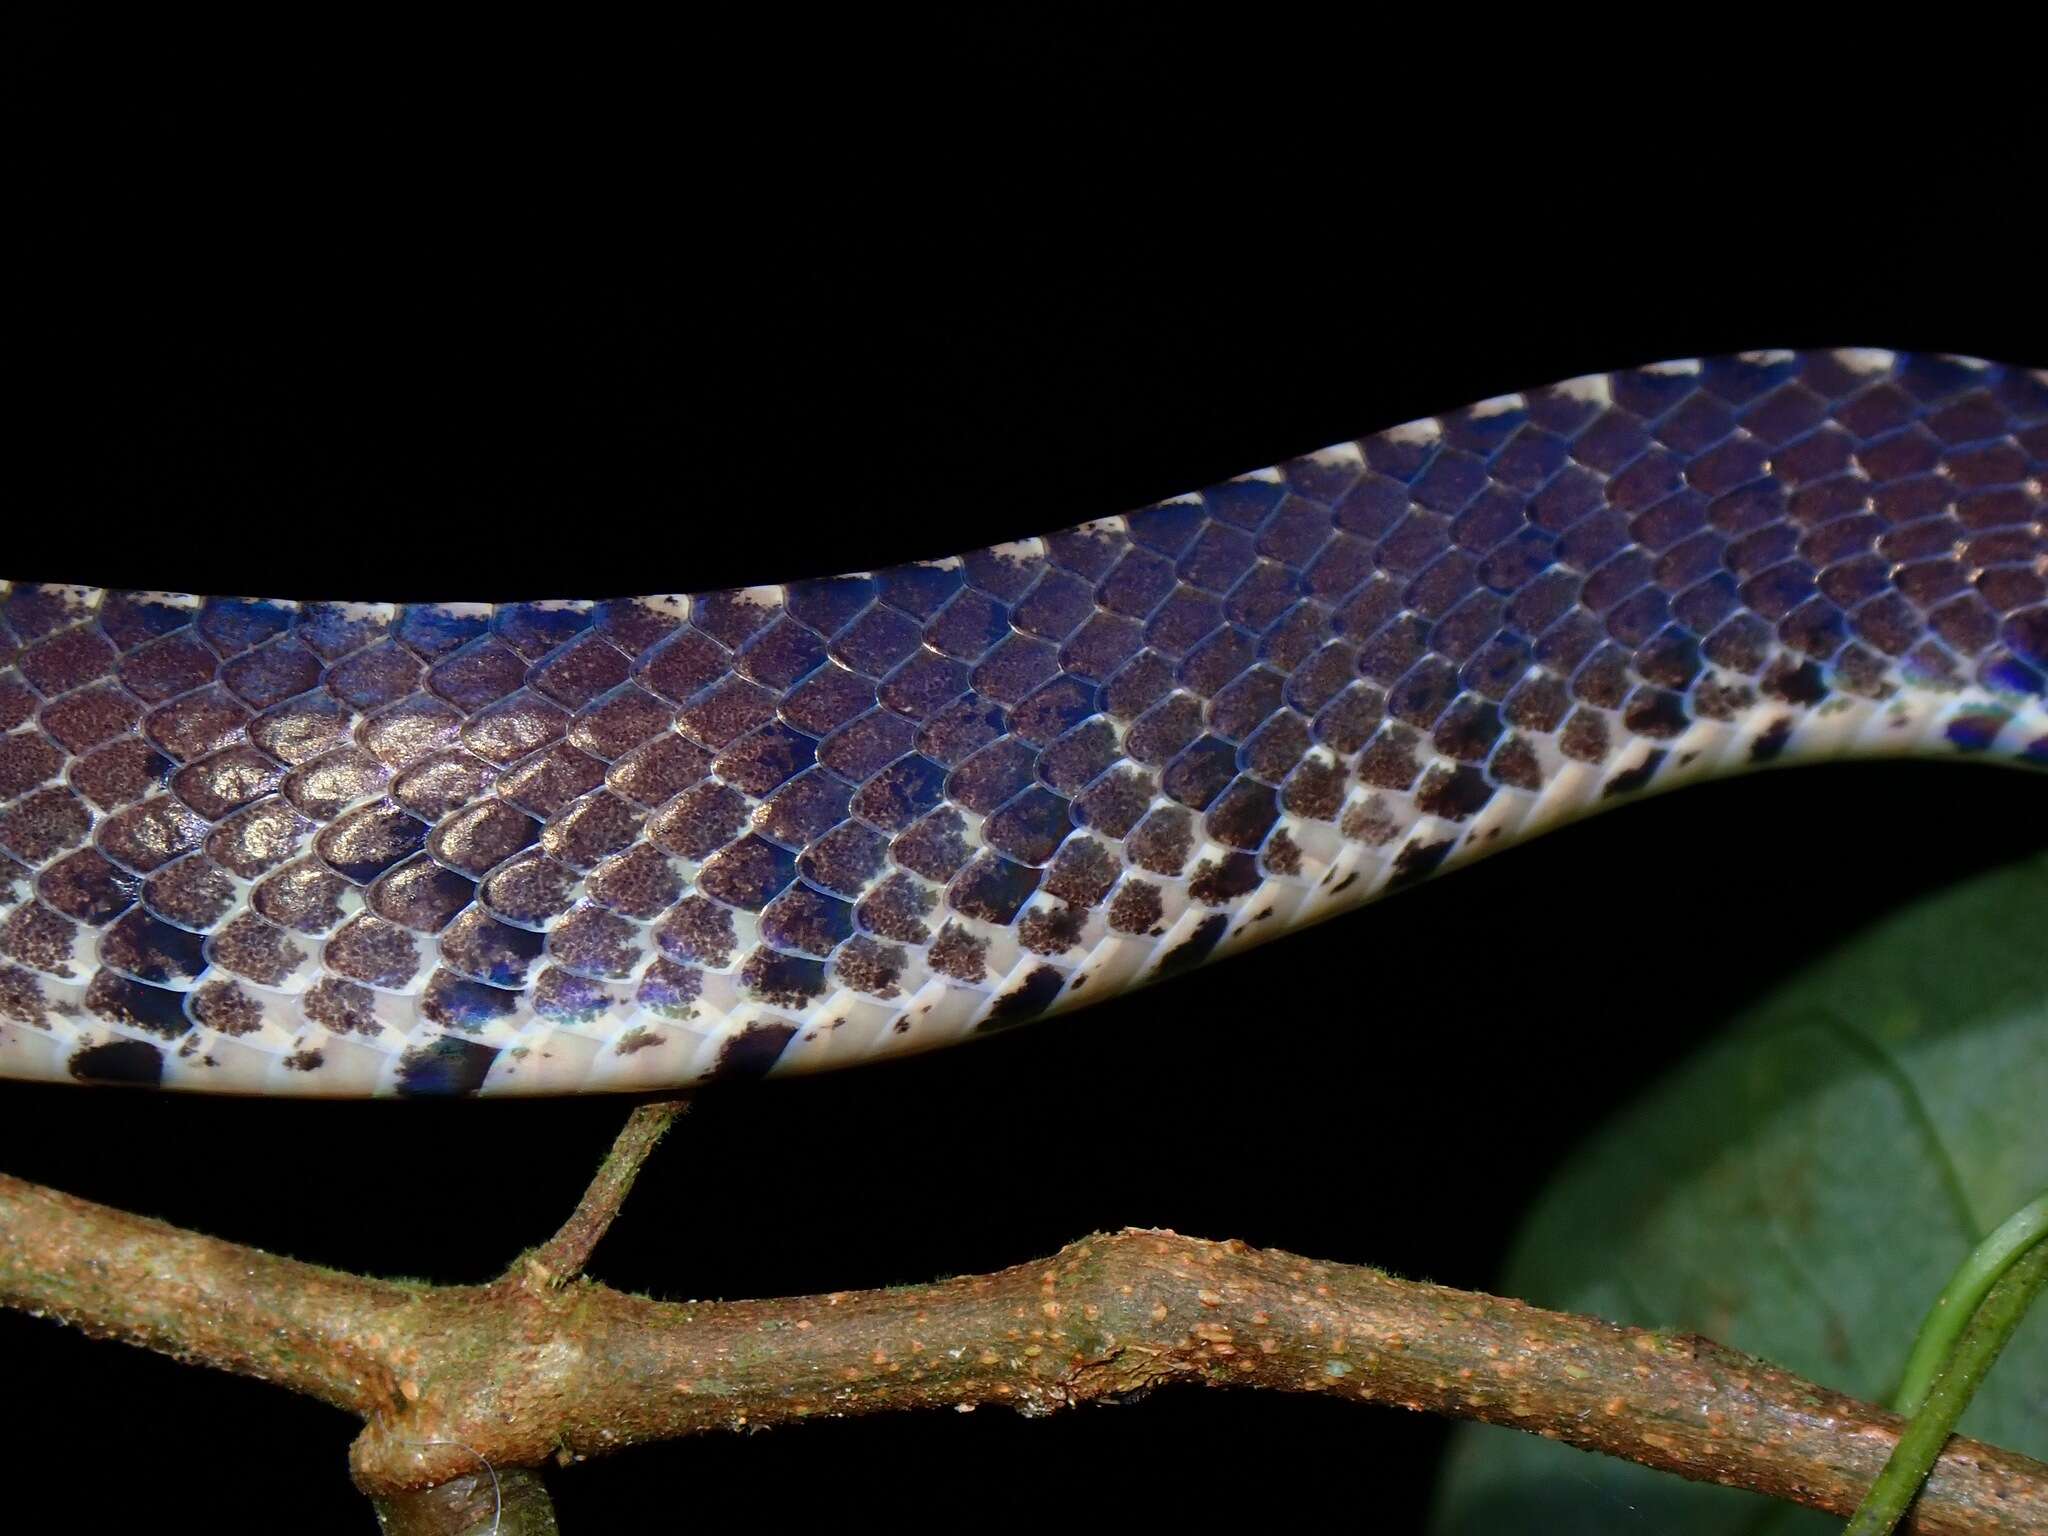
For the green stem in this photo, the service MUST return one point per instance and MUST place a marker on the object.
(1959, 1301)
(2016, 1280)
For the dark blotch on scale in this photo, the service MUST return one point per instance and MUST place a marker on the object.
(1632, 779)
(455, 1002)
(1023, 1004)
(1195, 948)
(448, 1066)
(1768, 747)
(134, 1063)
(1417, 861)
(1975, 730)
(1801, 684)
(753, 1052)
(1453, 793)
(156, 1009)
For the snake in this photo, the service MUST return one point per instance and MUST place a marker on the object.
(351, 849)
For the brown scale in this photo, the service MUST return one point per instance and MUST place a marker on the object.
(550, 780)
(1070, 764)
(669, 989)
(321, 789)
(119, 773)
(1115, 802)
(192, 892)
(152, 833)
(511, 729)
(782, 981)
(21, 998)
(593, 942)
(421, 895)
(1137, 908)
(806, 807)
(68, 660)
(84, 886)
(993, 889)
(224, 1006)
(477, 840)
(1217, 884)
(699, 930)
(190, 727)
(410, 730)
(458, 1002)
(866, 744)
(372, 951)
(1281, 856)
(1163, 841)
(1243, 814)
(897, 909)
(1372, 821)
(38, 827)
(304, 896)
(936, 847)
(959, 954)
(478, 945)
(591, 830)
(83, 720)
(41, 938)
(993, 775)
(302, 729)
(870, 966)
(17, 702)
(122, 1000)
(807, 921)
(640, 882)
(440, 785)
(565, 996)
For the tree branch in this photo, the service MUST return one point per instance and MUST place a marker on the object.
(518, 1374)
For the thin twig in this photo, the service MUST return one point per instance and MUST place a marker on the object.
(561, 1258)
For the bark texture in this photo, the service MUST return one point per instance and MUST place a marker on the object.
(541, 1366)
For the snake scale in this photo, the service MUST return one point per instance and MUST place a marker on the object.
(346, 848)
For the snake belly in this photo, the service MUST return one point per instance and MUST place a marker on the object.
(549, 847)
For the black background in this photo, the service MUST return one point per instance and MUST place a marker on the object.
(523, 350)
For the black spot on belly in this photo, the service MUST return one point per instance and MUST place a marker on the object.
(753, 1051)
(1768, 747)
(448, 1066)
(1636, 777)
(1027, 1002)
(1418, 860)
(1196, 947)
(119, 1061)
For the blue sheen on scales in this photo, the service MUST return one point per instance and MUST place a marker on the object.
(354, 848)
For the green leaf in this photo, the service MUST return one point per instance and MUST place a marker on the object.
(1801, 1190)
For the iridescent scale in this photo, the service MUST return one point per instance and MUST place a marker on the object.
(320, 848)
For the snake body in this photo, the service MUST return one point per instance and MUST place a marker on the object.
(350, 848)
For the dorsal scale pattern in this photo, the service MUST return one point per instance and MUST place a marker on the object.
(335, 848)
